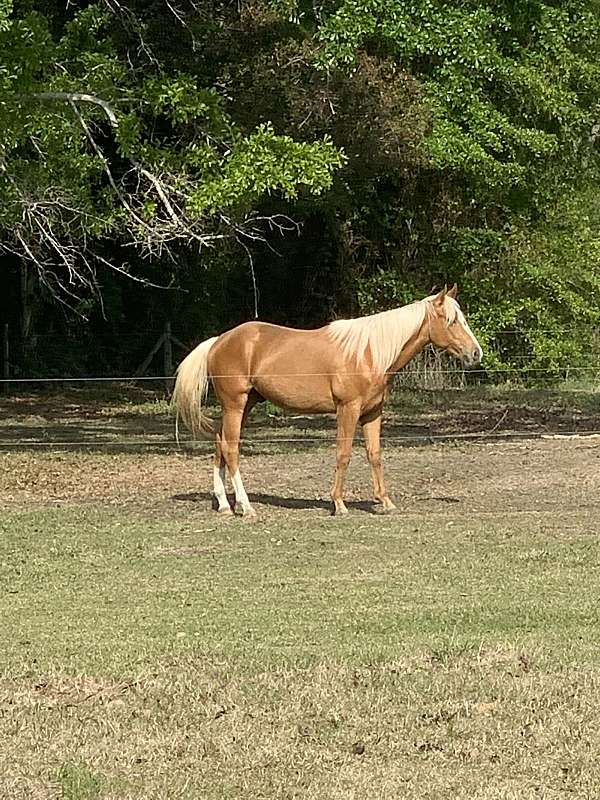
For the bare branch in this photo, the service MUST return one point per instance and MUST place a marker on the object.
(129, 275)
(79, 97)
(252, 275)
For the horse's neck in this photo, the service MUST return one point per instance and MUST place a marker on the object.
(412, 348)
(390, 336)
(394, 336)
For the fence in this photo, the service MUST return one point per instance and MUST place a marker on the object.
(431, 372)
(134, 413)
(60, 359)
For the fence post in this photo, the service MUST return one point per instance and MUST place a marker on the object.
(5, 357)
(168, 356)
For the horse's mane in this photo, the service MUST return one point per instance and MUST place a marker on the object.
(385, 333)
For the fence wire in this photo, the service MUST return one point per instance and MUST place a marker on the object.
(428, 373)
(315, 441)
(162, 378)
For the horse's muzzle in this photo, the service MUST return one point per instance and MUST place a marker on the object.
(472, 359)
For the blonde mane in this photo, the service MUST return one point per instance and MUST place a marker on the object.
(386, 333)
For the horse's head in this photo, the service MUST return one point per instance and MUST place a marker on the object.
(449, 330)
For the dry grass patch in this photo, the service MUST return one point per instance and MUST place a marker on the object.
(475, 724)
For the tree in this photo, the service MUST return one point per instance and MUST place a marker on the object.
(498, 188)
(96, 147)
(406, 143)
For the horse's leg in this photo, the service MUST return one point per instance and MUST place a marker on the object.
(234, 418)
(371, 425)
(220, 493)
(347, 417)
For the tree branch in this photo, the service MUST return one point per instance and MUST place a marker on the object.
(80, 97)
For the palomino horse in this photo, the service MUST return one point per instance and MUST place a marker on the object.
(344, 367)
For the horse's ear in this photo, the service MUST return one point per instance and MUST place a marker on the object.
(453, 292)
(440, 296)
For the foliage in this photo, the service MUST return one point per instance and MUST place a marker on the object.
(512, 92)
(92, 146)
(362, 151)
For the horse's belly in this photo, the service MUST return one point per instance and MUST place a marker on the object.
(307, 393)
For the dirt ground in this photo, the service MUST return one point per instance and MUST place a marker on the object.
(524, 456)
(132, 418)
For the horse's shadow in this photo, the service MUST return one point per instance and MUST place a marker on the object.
(276, 501)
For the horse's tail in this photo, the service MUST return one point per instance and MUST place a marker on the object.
(190, 390)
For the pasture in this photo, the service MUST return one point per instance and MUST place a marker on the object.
(150, 649)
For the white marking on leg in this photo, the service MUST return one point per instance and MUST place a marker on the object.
(240, 493)
(219, 488)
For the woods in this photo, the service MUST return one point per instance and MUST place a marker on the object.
(206, 162)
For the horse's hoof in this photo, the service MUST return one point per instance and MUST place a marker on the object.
(340, 511)
(383, 505)
(386, 508)
(225, 512)
(245, 512)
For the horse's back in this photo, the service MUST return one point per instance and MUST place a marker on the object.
(303, 370)
(260, 343)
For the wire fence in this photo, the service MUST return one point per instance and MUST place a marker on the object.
(296, 442)
(474, 373)
(119, 355)
(431, 372)
(78, 422)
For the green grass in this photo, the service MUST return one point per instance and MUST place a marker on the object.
(94, 590)
(158, 658)
(77, 782)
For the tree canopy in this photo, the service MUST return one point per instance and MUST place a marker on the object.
(94, 146)
(310, 159)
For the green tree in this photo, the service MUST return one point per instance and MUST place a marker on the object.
(96, 147)
(496, 186)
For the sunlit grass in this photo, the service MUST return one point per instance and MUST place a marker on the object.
(148, 657)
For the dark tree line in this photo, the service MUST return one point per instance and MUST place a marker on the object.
(198, 161)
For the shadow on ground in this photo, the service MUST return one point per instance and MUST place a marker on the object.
(278, 501)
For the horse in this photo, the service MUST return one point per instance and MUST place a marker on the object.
(344, 368)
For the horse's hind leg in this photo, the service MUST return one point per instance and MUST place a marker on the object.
(347, 417)
(234, 418)
(220, 493)
(371, 425)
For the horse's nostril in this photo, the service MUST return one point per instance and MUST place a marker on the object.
(476, 356)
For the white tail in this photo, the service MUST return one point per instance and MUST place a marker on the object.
(190, 390)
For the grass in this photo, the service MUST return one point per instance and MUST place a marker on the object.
(384, 658)
(77, 782)
(149, 649)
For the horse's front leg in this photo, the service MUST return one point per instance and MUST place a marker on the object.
(347, 417)
(371, 425)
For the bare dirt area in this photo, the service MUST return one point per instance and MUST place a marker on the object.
(542, 475)
(469, 452)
